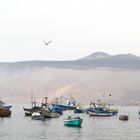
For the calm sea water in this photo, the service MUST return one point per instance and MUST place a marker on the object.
(19, 127)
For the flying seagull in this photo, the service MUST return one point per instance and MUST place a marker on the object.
(47, 43)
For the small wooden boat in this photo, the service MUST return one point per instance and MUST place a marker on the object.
(70, 121)
(123, 117)
(5, 112)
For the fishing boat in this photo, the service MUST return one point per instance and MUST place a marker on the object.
(98, 114)
(69, 105)
(5, 112)
(97, 109)
(37, 116)
(102, 109)
(30, 111)
(73, 121)
(34, 107)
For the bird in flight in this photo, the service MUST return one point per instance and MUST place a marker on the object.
(47, 43)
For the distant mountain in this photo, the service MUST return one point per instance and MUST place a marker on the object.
(97, 55)
(95, 60)
(102, 55)
(99, 59)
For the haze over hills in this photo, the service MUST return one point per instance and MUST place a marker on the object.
(92, 77)
(95, 60)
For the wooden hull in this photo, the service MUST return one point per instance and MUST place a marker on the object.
(5, 113)
(123, 117)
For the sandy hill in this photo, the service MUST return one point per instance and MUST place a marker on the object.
(92, 77)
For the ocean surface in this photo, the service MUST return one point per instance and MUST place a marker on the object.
(19, 127)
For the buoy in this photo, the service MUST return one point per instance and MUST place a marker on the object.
(123, 117)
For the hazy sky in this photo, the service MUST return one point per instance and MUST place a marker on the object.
(77, 28)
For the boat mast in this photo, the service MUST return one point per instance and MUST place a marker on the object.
(32, 98)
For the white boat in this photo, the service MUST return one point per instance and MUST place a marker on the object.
(38, 116)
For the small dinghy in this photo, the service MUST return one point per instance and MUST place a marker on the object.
(73, 121)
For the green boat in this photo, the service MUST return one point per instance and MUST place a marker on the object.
(70, 121)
